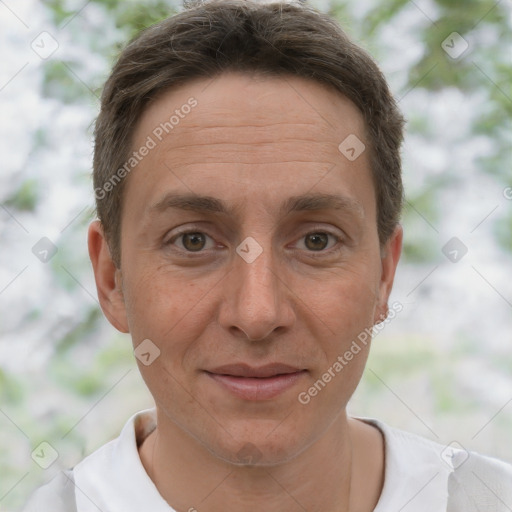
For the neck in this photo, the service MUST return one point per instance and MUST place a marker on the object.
(190, 478)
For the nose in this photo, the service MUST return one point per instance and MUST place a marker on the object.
(257, 300)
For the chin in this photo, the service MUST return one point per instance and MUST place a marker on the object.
(257, 445)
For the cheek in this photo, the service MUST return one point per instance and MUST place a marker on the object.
(345, 300)
(349, 316)
(172, 314)
(161, 303)
(346, 307)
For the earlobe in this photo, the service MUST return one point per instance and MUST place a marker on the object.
(107, 277)
(390, 256)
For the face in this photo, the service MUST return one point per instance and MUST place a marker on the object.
(250, 258)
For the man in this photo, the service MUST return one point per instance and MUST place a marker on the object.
(247, 178)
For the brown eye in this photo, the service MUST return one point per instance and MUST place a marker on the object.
(316, 241)
(193, 241)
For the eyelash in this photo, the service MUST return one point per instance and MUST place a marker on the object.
(313, 254)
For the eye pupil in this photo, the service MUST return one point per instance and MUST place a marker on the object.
(193, 241)
(318, 241)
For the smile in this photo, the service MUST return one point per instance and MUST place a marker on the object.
(262, 383)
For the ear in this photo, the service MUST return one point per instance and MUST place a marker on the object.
(390, 254)
(107, 277)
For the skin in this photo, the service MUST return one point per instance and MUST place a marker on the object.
(252, 142)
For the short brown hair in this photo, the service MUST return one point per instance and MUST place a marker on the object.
(241, 35)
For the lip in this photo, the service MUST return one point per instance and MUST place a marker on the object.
(261, 383)
(245, 370)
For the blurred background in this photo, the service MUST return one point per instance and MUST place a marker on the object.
(442, 368)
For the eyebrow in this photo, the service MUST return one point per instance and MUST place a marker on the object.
(305, 202)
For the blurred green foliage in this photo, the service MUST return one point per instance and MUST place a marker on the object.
(131, 16)
(25, 197)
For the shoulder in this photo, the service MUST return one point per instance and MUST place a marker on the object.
(479, 483)
(103, 475)
(421, 474)
(416, 473)
(58, 495)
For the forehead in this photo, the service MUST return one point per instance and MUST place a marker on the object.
(262, 135)
(251, 102)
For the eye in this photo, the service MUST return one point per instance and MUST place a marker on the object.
(191, 241)
(319, 241)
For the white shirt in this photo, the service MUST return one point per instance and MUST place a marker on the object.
(420, 476)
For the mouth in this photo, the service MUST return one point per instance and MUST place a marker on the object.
(256, 383)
